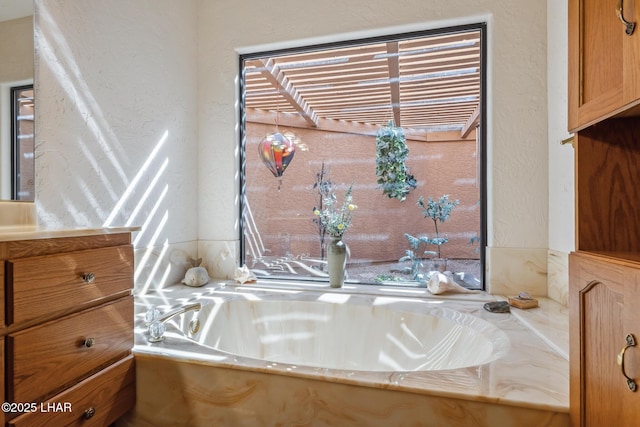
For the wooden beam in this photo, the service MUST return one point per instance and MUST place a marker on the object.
(342, 126)
(273, 74)
(471, 122)
(394, 80)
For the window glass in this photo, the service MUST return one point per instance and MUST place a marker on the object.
(22, 147)
(394, 121)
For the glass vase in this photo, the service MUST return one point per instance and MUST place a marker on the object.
(337, 262)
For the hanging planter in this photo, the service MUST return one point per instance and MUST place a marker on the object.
(391, 152)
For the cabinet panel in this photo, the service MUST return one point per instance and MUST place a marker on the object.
(603, 67)
(603, 304)
(37, 286)
(2, 285)
(44, 359)
(107, 395)
(607, 190)
(2, 397)
(39, 247)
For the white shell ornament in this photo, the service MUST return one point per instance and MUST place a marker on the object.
(196, 276)
(441, 283)
(244, 275)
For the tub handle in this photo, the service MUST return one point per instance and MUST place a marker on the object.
(630, 342)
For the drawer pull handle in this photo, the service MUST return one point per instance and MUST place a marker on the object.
(630, 342)
(89, 413)
(88, 277)
(89, 342)
(629, 26)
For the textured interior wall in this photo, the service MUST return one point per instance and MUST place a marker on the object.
(517, 97)
(116, 116)
(116, 77)
(561, 166)
(561, 170)
(116, 124)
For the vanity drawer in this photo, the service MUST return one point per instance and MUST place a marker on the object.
(37, 286)
(107, 395)
(44, 359)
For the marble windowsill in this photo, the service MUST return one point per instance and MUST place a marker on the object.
(534, 375)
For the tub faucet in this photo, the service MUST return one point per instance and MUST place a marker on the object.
(156, 322)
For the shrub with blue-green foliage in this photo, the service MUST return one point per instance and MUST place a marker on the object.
(439, 211)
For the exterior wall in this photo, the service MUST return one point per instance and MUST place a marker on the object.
(284, 216)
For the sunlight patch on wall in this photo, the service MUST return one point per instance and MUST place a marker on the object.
(134, 183)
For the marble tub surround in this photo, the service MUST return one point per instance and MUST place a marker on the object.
(220, 257)
(510, 271)
(160, 266)
(192, 394)
(21, 214)
(528, 385)
(549, 321)
(558, 276)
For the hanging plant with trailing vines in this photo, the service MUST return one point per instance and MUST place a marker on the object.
(391, 152)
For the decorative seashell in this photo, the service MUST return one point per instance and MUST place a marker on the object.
(440, 283)
(196, 276)
(244, 275)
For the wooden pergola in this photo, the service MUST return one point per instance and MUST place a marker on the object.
(430, 86)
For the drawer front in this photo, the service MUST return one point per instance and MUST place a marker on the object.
(2, 282)
(44, 359)
(38, 286)
(97, 401)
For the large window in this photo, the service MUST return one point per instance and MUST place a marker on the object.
(333, 107)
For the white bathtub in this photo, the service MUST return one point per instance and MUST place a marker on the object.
(349, 333)
(343, 357)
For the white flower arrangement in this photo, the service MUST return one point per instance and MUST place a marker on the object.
(335, 219)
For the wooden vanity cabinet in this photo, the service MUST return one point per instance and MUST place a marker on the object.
(604, 276)
(604, 76)
(68, 329)
(604, 294)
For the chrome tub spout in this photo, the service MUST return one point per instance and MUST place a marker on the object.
(156, 322)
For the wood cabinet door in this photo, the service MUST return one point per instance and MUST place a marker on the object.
(603, 309)
(604, 61)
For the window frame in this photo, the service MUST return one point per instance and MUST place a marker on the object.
(481, 130)
(15, 142)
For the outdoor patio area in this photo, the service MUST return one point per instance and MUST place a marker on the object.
(466, 272)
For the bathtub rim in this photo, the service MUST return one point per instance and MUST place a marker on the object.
(421, 383)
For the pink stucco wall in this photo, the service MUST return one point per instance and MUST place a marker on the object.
(284, 216)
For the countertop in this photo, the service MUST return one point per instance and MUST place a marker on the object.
(31, 232)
